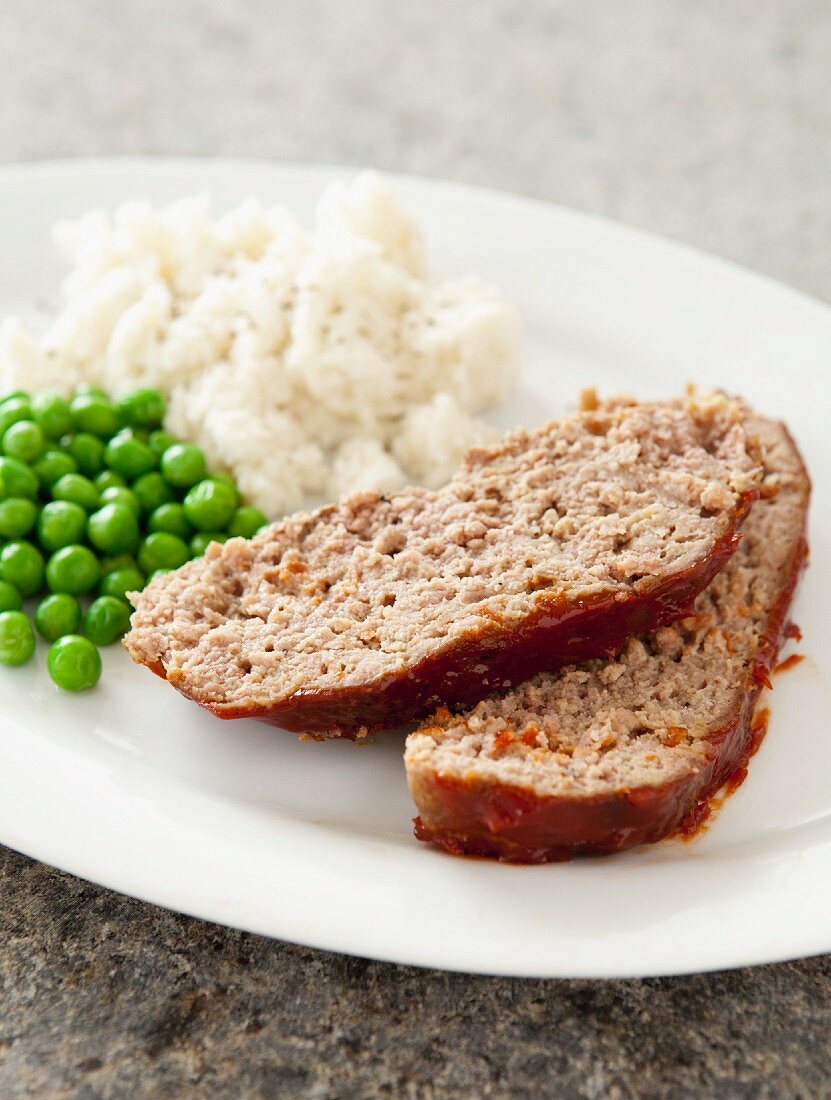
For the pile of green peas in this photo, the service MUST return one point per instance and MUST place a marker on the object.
(96, 499)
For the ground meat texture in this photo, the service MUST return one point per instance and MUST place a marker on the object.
(600, 756)
(555, 546)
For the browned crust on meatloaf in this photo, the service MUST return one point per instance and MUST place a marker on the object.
(473, 812)
(492, 581)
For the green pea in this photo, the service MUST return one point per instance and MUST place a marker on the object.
(72, 569)
(203, 539)
(52, 465)
(121, 581)
(210, 504)
(93, 413)
(21, 564)
(264, 527)
(51, 412)
(158, 573)
(113, 529)
(159, 441)
(152, 491)
(61, 523)
(17, 479)
(143, 408)
(12, 410)
(170, 518)
(24, 440)
(106, 620)
(88, 451)
(162, 551)
(77, 489)
(17, 640)
(109, 479)
(10, 598)
(184, 465)
(129, 455)
(74, 663)
(57, 615)
(84, 388)
(116, 494)
(246, 522)
(17, 517)
(14, 393)
(111, 562)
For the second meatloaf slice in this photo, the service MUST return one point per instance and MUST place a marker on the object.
(553, 547)
(608, 754)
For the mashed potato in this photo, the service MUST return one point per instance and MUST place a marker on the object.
(305, 364)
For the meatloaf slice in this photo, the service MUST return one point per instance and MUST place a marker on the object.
(555, 546)
(611, 753)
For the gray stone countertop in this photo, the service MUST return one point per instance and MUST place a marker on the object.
(708, 122)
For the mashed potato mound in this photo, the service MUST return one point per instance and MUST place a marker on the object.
(304, 364)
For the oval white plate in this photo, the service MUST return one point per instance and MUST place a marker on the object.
(133, 788)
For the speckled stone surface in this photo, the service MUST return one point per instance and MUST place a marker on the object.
(706, 121)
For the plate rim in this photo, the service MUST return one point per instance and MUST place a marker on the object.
(57, 165)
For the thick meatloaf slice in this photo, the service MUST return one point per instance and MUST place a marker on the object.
(555, 546)
(611, 753)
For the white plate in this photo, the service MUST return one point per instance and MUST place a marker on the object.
(136, 789)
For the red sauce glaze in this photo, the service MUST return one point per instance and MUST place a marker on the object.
(519, 826)
(557, 633)
(789, 662)
(701, 817)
